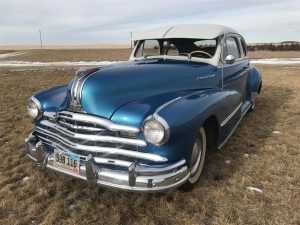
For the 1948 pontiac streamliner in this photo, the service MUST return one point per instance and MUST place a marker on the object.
(146, 124)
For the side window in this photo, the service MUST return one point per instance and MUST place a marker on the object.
(148, 48)
(232, 47)
(170, 49)
(206, 43)
(151, 47)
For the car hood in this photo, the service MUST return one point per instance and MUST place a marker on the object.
(112, 87)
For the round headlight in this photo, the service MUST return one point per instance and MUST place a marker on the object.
(154, 131)
(33, 109)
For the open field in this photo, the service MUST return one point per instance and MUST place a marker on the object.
(54, 55)
(65, 47)
(110, 54)
(258, 158)
(273, 54)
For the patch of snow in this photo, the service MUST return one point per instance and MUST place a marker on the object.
(25, 179)
(246, 155)
(255, 189)
(50, 64)
(276, 61)
(71, 207)
(6, 55)
(227, 161)
(277, 132)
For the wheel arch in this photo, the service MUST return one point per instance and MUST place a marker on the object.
(211, 127)
(254, 81)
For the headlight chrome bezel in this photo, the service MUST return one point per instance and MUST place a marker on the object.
(156, 118)
(38, 105)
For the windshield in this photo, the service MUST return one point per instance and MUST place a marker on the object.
(202, 48)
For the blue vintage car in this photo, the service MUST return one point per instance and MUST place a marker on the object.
(145, 125)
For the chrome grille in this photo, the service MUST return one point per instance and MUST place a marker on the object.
(87, 134)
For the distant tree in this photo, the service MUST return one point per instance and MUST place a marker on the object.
(283, 46)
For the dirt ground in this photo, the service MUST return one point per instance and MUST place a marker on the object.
(258, 158)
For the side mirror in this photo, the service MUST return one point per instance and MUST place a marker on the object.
(229, 59)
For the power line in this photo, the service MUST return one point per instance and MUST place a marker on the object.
(40, 32)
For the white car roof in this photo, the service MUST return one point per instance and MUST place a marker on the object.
(201, 31)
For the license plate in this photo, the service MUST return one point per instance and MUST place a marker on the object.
(67, 161)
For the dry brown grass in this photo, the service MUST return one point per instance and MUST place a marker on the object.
(56, 55)
(38, 47)
(274, 54)
(220, 197)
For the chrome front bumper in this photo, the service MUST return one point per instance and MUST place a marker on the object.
(133, 177)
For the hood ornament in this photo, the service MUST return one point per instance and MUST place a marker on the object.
(77, 83)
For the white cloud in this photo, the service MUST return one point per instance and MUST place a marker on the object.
(99, 21)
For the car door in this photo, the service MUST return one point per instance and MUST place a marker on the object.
(235, 74)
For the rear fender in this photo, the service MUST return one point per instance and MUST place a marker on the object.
(254, 81)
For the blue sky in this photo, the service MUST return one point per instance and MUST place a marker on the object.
(111, 21)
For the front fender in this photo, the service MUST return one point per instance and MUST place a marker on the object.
(184, 117)
(52, 99)
(187, 115)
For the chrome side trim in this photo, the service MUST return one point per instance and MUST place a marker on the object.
(90, 137)
(105, 150)
(230, 134)
(246, 110)
(98, 121)
(166, 104)
(231, 115)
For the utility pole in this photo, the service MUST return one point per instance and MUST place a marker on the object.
(131, 40)
(40, 32)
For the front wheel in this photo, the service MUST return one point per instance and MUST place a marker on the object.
(197, 160)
